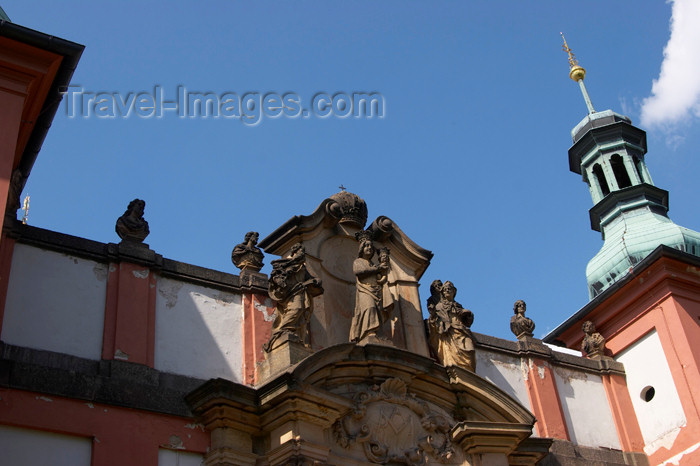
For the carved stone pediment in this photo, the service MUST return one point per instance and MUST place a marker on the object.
(394, 427)
(328, 237)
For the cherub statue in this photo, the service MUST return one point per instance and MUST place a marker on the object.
(450, 336)
(293, 288)
(132, 226)
(520, 325)
(246, 255)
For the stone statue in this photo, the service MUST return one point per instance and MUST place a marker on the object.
(373, 300)
(293, 288)
(521, 326)
(246, 255)
(132, 226)
(593, 343)
(449, 324)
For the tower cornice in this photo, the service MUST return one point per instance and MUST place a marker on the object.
(633, 197)
(602, 136)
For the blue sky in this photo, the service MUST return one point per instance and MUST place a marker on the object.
(470, 158)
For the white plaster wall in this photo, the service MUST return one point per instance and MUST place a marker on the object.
(586, 409)
(25, 447)
(198, 331)
(179, 458)
(661, 418)
(505, 372)
(55, 302)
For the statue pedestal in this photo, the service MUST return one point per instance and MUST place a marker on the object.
(523, 336)
(375, 340)
(597, 354)
(285, 353)
(250, 278)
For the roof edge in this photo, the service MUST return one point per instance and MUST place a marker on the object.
(659, 252)
(71, 53)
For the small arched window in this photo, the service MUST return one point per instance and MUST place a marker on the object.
(621, 175)
(600, 176)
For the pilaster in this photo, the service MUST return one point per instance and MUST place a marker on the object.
(129, 329)
(542, 390)
(623, 414)
(258, 316)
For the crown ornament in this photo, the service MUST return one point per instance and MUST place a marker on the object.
(348, 208)
(363, 235)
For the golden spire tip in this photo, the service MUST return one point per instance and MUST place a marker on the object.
(576, 72)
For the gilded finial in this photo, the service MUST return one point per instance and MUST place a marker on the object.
(572, 58)
(576, 72)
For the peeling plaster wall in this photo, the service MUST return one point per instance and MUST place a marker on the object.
(586, 409)
(198, 331)
(26, 447)
(55, 302)
(179, 458)
(661, 418)
(506, 372)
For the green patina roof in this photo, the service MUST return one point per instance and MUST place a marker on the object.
(3, 15)
(633, 219)
(630, 237)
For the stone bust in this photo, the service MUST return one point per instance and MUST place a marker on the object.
(520, 325)
(132, 226)
(593, 343)
(246, 255)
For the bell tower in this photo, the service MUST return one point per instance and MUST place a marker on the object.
(630, 212)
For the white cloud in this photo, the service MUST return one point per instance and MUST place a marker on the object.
(675, 95)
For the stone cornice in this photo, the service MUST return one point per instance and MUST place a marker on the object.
(142, 255)
(112, 382)
(534, 348)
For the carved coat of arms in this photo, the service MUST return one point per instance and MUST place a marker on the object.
(394, 427)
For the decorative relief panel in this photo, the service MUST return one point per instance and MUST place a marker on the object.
(394, 427)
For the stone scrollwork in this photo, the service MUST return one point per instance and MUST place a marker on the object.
(394, 427)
